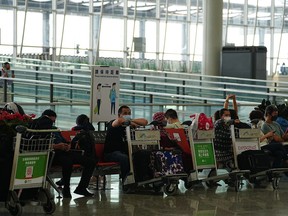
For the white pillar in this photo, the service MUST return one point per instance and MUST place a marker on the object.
(46, 34)
(212, 36)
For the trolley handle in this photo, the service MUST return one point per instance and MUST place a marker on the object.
(22, 129)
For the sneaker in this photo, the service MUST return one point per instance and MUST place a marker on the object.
(83, 191)
(66, 193)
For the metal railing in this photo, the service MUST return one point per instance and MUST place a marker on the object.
(46, 83)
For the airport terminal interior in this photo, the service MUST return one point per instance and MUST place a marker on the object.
(186, 55)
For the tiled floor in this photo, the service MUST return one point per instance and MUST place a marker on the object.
(220, 201)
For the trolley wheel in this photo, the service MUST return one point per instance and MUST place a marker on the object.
(275, 183)
(170, 189)
(12, 204)
(15, 210)
(49, 207)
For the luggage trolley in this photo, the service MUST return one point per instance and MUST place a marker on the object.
(30, 163)
(203, 157)
(180, 136)
(142, 139)
(249, 139)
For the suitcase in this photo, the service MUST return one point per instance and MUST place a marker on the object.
(254, 160)
(166, 163)
(141, 163)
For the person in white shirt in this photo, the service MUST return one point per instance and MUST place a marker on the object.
(172, 119)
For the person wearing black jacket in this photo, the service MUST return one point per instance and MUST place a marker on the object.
(116, 148)
(65, 157)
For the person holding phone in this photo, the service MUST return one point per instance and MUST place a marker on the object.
(5, 73)
(275, 136)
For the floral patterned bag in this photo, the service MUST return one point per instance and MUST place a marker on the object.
(166, 163)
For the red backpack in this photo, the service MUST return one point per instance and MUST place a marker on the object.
(201, 122)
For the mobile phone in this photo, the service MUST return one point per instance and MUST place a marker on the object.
(12, 72)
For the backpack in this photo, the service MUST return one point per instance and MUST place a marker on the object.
(201, 122)
(84, 140)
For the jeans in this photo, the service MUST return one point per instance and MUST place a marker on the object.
(122, 158)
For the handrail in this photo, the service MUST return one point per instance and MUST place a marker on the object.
(61, 76)
(203, 87)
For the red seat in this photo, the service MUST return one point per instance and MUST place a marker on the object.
(69, 135)
(104, 168)
(181, 138)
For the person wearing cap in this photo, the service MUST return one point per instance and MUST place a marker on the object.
(276, 138)
(160, 122)
(5, 73)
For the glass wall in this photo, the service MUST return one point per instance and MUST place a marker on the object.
(157, 34)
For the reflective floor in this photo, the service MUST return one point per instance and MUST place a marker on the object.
(199, 201)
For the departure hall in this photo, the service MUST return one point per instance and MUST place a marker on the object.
(184, 103)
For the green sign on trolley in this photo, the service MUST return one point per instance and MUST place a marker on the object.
(31, 169)
(204, 154)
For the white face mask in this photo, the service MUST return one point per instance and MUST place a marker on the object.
(227, 118)
(127, 117)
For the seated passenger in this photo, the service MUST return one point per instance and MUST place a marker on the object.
(257, 120)
(282, 118)
(66, 158)
(116, 149)
(275, 142)
(82, 140)
(168, 144)
(165, 141)
(83, 123)
(172, 119)
(222, 141)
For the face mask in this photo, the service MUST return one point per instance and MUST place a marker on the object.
(227, 118)
(127, 117)
(274, 118)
